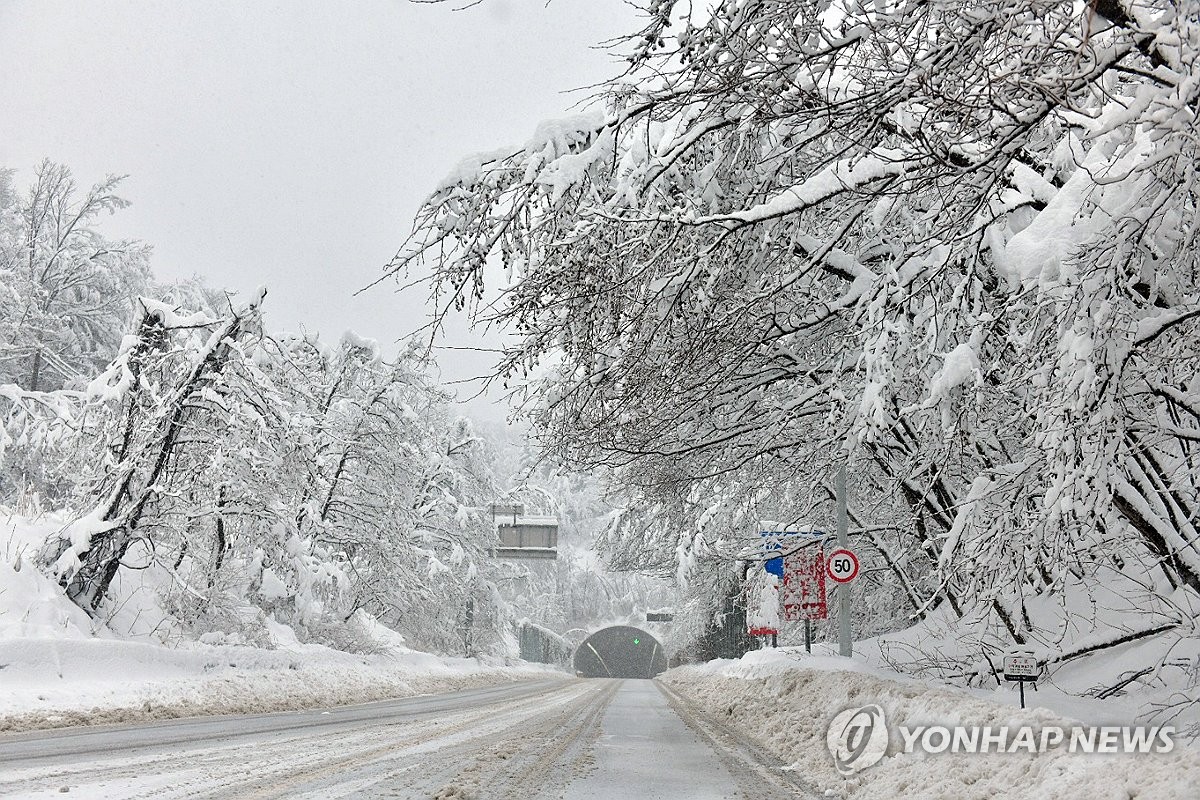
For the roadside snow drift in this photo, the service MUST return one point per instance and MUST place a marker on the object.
(60, 667)
(784, 701)
(54, 682)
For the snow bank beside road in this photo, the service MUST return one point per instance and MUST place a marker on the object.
(57, 682)
(784, 701)
(60, 667)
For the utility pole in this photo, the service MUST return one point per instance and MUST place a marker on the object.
(845, 645)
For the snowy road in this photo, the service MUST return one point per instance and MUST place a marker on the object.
(577, 739)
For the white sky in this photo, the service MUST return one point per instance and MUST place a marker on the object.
(289, 144)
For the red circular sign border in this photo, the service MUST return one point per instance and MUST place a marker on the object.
(829, 569)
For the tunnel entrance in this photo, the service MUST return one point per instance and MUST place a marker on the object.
(621, 651)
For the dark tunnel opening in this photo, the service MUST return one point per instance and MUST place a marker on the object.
(621, 651)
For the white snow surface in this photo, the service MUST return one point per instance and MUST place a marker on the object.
(784, 699)
(59, 682)
(60, 667)
(843, 175)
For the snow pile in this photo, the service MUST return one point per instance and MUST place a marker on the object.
(1117, 645)
(31, 605)
(1115, 650)
(785, 700)
(59, 667)
(59, 682)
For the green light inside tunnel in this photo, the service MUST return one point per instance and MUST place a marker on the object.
(619, 651)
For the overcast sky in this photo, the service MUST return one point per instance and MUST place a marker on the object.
(289, 144)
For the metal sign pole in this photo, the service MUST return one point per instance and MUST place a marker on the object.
(845, 646)
(1020, 665)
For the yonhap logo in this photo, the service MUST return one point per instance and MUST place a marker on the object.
(857, 739)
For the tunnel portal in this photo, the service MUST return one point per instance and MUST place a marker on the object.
(621, 651)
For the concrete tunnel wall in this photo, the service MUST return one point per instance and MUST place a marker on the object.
(621, 651)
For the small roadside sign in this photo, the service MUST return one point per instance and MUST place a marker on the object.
(842, 566)
(789, 541)
(1020, 667)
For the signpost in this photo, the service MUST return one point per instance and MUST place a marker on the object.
(763, 630)
(786, 541)
(762, 606)
(505, 510)
(845, 642)
(802, 577)
(1021, 666)
(803, 595)
(802, 572)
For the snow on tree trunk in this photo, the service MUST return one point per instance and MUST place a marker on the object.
(87, 563)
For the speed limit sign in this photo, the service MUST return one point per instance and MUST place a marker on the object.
(842, 566)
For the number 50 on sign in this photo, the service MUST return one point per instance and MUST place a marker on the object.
(842, 566)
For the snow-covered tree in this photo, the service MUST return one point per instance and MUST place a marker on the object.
(261, 476)
(165, 387)
(397, 484)
(953, 245)
(66, 290)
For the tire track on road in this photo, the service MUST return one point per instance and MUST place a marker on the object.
(534, 761)
(758, 774)
(289, 759)
(478, 724)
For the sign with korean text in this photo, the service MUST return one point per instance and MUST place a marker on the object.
(1020, 667)
(803, 593)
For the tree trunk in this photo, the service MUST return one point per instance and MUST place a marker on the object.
(88, 585)
(35, 371)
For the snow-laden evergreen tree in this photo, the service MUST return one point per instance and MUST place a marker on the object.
(953, 245)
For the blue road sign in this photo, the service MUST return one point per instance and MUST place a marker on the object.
(773, 540)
